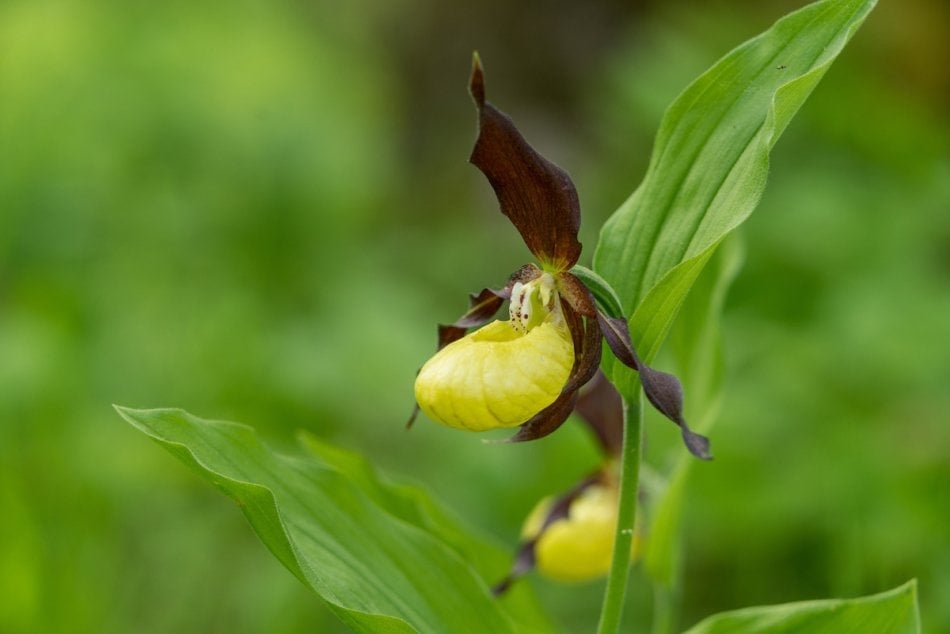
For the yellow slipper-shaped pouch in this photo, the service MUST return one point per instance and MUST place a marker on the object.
(496, 376)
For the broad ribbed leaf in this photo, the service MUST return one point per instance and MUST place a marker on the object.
(379, 556)
(893, 612)
(709, 166)
(414, 505)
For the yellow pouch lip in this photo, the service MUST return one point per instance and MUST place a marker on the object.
(496, 377)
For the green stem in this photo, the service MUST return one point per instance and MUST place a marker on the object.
(612, 610)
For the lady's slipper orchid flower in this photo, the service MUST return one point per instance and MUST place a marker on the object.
(579, 546)
(570, 538)
(526, 371)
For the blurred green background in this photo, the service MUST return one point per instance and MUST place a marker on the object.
(258, 211)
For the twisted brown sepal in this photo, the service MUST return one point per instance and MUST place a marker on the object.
(536, 195)
(525, 557)
(587, 338)
(577, 294)
(663, 390)
(598, 403)
(483, 305)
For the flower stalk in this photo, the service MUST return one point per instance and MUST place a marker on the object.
(533, 370)
(612, 610)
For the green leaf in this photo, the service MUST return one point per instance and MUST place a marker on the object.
(605, 296)
(893, 612)
(414, 505)
(709, 165)
(696, 335)
(385, 558)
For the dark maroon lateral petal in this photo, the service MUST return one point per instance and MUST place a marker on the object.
(586, 364)
(536, 195)
(547, 420)
(663, 390)
(575, 324)
(482, 307)
(600, 405)
(576, 294)
(617, 334)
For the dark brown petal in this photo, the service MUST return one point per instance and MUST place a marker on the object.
(604, 296)
(536, 195)
(587, 363)
(663, 390)
(547, 420)
(617, 334)
(666, 394)
(482, 307)
(600, 406)
(575, 324)
(576, 294)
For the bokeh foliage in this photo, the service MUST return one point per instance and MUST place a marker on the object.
(259, 212)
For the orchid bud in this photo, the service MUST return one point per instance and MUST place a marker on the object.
(577, 545)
